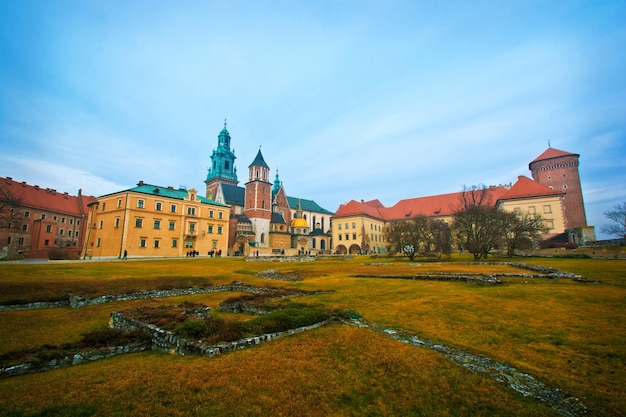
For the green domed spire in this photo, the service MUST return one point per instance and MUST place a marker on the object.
(276, 186)
(223, 159)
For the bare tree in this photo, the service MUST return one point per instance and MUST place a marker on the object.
(407, 236)
(522, 231)
(478, 223)
(440, 241)
(9, 210)
(419, 235)
(618, 217)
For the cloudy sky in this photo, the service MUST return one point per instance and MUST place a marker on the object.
(350, 99)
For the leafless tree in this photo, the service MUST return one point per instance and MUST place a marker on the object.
(618, 217)
(477, 222)
(522, 231)
(419, 235)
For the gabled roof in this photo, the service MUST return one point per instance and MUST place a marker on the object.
(306, 205)
(553, 153)
(46, 199)
(355, 208)
(526, 188)
(233, 194)
(259, 161)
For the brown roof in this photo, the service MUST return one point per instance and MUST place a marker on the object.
(44, 198)
(525, 188)
(552, 153)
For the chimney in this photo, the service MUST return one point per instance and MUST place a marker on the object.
(23, 183)
(66, 195)
(36, 187)
(140, 183)
(9, 180)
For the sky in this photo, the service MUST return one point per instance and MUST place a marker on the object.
(348, 99)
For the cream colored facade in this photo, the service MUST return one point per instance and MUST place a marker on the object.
(550, 208)
(152, 221)
(358, 234)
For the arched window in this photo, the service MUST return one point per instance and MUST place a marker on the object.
(262, 237)
(322, 244)
(314, 243)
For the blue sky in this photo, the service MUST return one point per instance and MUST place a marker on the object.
(349, 99)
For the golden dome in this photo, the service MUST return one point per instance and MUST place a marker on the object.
(299, 222)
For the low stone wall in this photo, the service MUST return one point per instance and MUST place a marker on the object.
(35, 306)
(168, 342)
(75, 359)
(480, 280)
(77, 302)
(280, 258)
(242, 307)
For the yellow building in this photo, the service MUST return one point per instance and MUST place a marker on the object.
(360, 227)
(150, 220)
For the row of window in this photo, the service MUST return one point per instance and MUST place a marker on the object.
(156, 243)
(44, 216)
(158, 206)
(171, 226)
(347, 225)
(48, 229)
(547, 209)
(347, 235)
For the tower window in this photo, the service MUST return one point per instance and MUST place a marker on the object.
(565, 186)
(226, 165)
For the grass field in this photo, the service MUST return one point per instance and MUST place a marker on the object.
(567, 334)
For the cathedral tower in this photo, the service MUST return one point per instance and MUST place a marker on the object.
(258, 204)
(222, 168)
(558, 170)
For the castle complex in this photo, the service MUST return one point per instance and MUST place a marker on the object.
(555, 194)
(258, 218)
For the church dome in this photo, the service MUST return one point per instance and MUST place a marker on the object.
(299, 222)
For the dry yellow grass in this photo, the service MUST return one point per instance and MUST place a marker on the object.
(567, 334)
(334, 371)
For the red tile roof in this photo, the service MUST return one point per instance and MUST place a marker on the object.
(552, 153)
(525, 188)
(44, 198)
(442, 204)
(436, 205)
(354, 208)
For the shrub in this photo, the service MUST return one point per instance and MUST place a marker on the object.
(192, 329)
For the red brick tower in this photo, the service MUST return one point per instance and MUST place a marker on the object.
(558, 170)
(258, 200)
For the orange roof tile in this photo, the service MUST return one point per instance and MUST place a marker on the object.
(44, 198)
(354, 208)
(525, 187)
(552, 153)
(436, 205)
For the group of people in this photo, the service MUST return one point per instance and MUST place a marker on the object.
(194, 253)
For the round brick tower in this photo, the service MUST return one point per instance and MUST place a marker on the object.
(558, 170)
